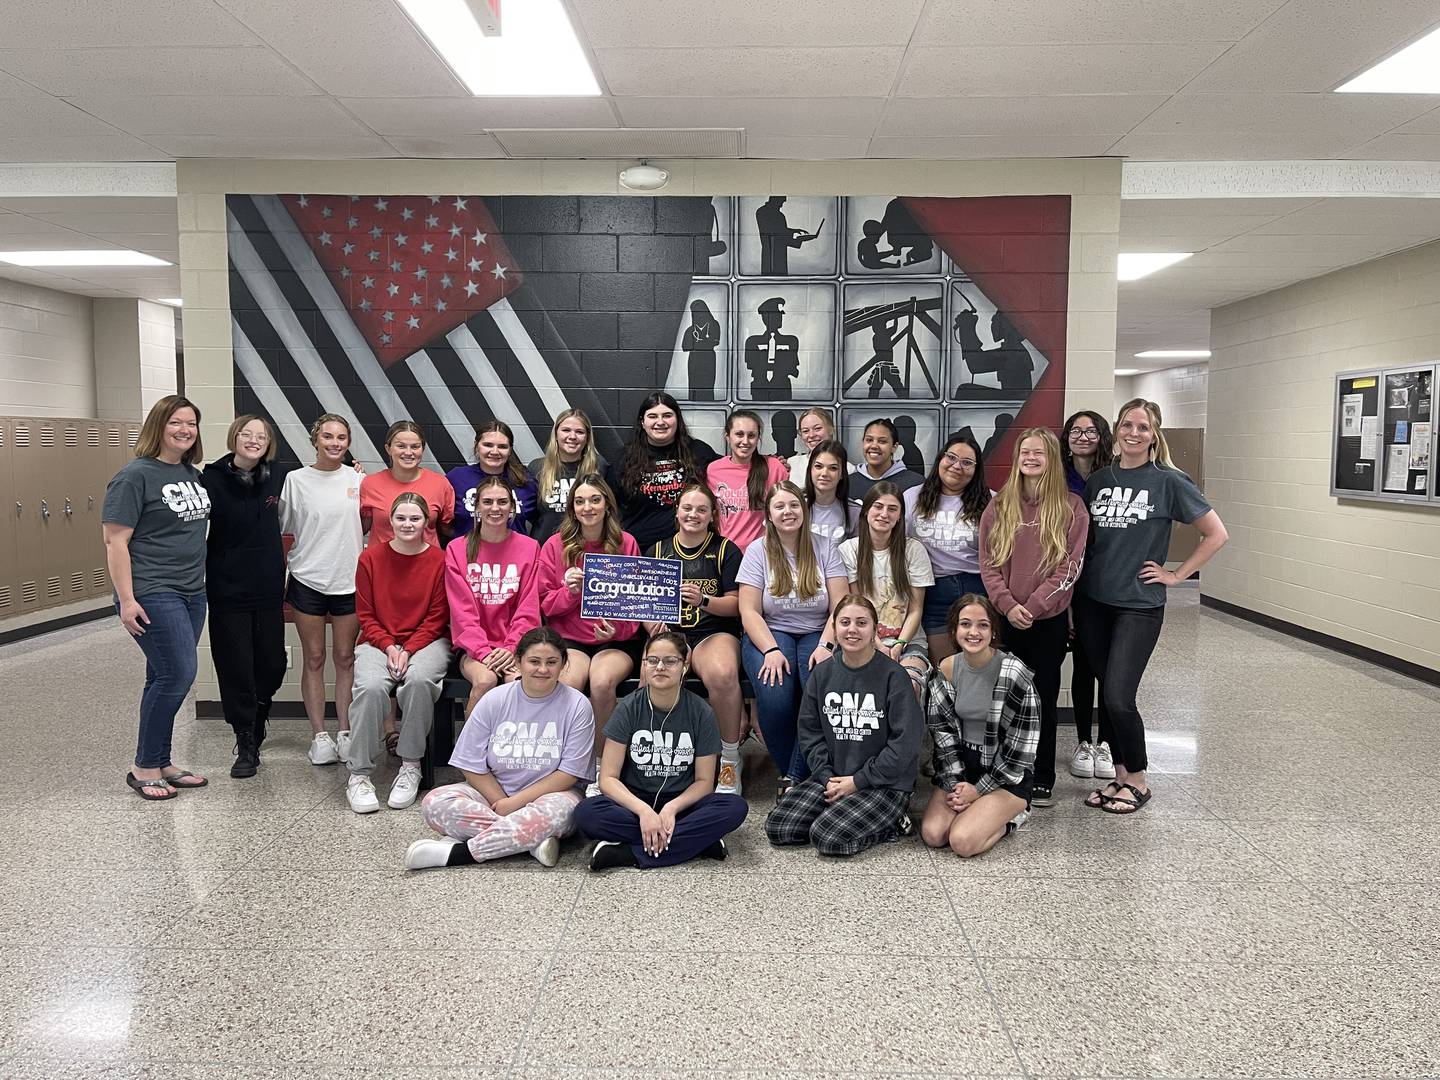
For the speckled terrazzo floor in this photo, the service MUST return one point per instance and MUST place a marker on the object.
(1279, 914)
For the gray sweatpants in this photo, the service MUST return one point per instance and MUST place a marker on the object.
(415, 694)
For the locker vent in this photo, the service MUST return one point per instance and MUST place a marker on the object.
(72, 436)
(22, 435)
(92, 436)
(114, 434)
(29, 592)
(53, 588)
(98, 581)
(2, 436)
(47, 436)
(134, 437)
(4, 597)
(77, 581)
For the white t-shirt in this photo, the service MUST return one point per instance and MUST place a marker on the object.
(892, 608)
(322, 511)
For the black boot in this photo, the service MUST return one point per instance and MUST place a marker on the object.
(247, 756)
(262, 717)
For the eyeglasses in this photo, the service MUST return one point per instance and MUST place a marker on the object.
(666, 662)
(964, 464)
(1089, 434)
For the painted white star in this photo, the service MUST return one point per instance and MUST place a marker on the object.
(434, 200)
(459, 203)
(365, 305)
(392, 289)
(397, 266)
(451, 255)
(373, 256)
(354, 198)
(475, 265)
(439, 305)
(304, 201)
(413, 323)
(382, 204)
(348, 248)
(499, 271)
(367, 282)
(431, 221)
(445, 281)
(352, 222)
(344, 271)
(406, 214)
(401, 239)
(421, 273)
(387, 316)
(375, 232)
(416, 298)
(454, 230)
(427, 247)
(384, 339)
(325, 211)
(471, 288)
(325, 239)
(479, 237)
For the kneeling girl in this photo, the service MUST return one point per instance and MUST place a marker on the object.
(859, 729)
(524, 752)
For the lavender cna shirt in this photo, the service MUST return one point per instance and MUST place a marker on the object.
(519, 739)
(792, 614)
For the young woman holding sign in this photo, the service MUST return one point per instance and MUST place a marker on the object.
(601, 652)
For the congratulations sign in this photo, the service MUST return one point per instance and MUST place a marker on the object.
(631, 588)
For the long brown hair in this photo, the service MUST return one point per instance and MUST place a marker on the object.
(1053, 517)
(835, 449)
(974, 496)
(865, 548)
(759, 463)
(551, 465)
(805, 582)
(515, 472)
(472, 542)
(152, 432)
(572, 535)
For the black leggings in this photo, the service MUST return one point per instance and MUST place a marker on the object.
(1042, 648)
(248, 648)
(1119, 642)
(1082, 696)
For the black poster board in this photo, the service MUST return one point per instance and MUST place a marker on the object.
(1408, 411)
(1357, 434)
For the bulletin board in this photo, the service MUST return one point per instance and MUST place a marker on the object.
(1383, 447)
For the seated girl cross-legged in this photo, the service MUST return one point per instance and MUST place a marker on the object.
(658, 805)
(984, 715)
(524, 751)
(860, 731)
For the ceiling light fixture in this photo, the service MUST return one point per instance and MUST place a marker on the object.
(1415, 69)
(644, 177)
(1133, 266)
(1173, 354)
(1124, 371)
(80, 258)
(537, 54)
(173, 301)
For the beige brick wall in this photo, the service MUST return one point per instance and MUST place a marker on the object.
(46, 361)
(1367, 573)
(1182, 393)
(1093, 184)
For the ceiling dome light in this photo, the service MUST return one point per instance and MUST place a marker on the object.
(644, 177)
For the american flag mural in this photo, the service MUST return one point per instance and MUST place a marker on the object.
(450, 310)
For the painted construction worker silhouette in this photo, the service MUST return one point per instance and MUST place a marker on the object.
(772, 357)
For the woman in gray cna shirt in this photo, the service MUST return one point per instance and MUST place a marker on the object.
(1119, 600)
(153, 523)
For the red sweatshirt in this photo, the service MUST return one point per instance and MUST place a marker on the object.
(1020, 580)
(561, 607)
(494, 601)
(400, 599)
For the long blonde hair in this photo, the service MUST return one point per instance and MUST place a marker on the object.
(806, 581)
(1159, 449)
(551, 466)
(572, 535)
(1054, 514)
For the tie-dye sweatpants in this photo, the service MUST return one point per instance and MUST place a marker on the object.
(461, 812)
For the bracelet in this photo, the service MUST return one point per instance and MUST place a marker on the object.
(773, 648)
(902, 642)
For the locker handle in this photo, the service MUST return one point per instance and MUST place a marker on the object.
(19, 508)
(45, 509)
(68, 508)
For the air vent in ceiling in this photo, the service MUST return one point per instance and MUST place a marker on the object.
(621, 143)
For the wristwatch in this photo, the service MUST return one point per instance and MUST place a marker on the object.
(828, 646)
(704, 600)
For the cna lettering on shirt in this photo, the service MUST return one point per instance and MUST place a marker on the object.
(188, 499)
(851, 716)
(528, 744)
(1118, 507)
(493, 583)
(660, 755)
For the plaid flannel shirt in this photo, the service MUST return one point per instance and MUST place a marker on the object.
(1012, 728)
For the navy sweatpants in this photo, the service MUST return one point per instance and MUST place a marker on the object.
(696, 828)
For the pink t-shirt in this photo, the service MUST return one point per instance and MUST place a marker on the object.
(738, 523)
(561, 607)
(378, 491)
(495, 600)
(520, 740)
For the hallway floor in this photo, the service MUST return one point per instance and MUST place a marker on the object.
(1273, 912)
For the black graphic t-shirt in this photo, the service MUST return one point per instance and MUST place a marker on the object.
(647, 511)
(550, 507)
(661, 745)
(1131, 515)
(168, 507)
(713, 567)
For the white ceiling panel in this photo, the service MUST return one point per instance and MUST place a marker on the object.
(141, 72)
(807, 147)
(666, 24)
(446, 146)
(321, 147)
(351, 48)
(50, 207)
(1132, 239)
(1077, 114)
(992, 146)
(847, 116)
(40, 238)
(1151, 209)
(1233, 146)
(100, 223)
(1313, 45)
(222, 115)
(1349, 115)
(1425, 124)
(472, 116)
(11, 87)
(1399, 148)
(1005, 22)
(1354, 247)
(1023, 70)
(48, 116)
(148, 23)
(79, 148)
(1417, 218)
(757, 72)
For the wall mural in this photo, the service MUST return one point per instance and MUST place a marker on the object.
(938, 313)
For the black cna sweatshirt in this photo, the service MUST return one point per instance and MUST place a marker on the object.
(244, 560)
(861, 722)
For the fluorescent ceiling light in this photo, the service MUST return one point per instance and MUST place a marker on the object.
(537, 52)
(1135, 265)
(1415, 69)
(1127, 371)
(173, 301)
(1173, 354)
(80, 258)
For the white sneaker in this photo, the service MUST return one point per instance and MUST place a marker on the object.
(1018, 821)
(342, 745)
(406, 786)
(322, 750)
(593, 787)
(729, 780)
(360, 794)
(547, 852)
(1104, 763)
(1083, 763)
(423, 854)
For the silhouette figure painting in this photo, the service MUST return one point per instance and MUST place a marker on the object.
(1009, 361)
(891, 325)
(716, 246)
(777, 237)
(909, 449)
(772, 357)
(1002, 423)
(882, 365)
(868, 250)
(907, 243)
(784, 430)
(700, 340)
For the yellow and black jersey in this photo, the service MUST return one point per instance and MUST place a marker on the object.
(713, 565)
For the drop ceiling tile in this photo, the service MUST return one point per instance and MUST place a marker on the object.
(141, 71)
(1026, 70)
(54, 239)
(318, 146)
(1350, 116)
(45, 206)
(83, 23)
(665, 24)
(79, 148)
(1397, 147)
(750, 72)
(1424, 124)
(472, 116)
(216, 115)
(48, 116)
(1075, 114)
(1131, 240)
(1354, 247)
(11, 87)
(1004, 22)
(1313, 45)
(809, 116)
(446, 146)
(1418, 218)
(98, 223)
(992, 146)
(1231, 146)
(1142, 209)
(351, 48)
(806, 147)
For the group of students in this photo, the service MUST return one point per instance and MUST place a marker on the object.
(864, 603)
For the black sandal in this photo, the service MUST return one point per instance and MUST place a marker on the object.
(183, 780)
(1131, 806)
(139, 786)
(1099, 796)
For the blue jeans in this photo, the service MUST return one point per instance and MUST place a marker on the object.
(779, 706)
(941, 596)
(169, 646)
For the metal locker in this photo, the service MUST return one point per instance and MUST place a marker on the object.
(31, 510)
(88, 501)
(9, 582)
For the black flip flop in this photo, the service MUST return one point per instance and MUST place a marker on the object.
(180, 780)
(139, 786)
(1103, 798)
(1141, 798)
